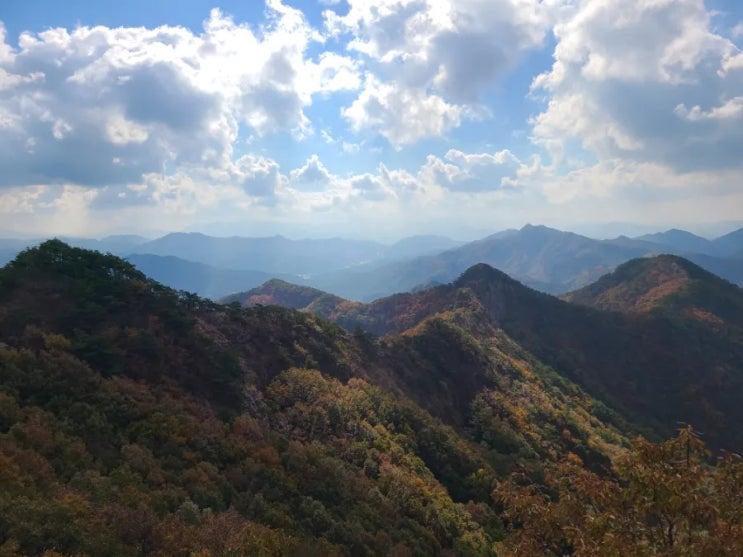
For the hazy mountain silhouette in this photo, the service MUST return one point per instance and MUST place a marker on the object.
(681, 241)
(201, 279)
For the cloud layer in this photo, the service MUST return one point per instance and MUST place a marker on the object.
(641, 101)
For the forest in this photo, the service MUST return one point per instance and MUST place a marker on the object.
(139, 420)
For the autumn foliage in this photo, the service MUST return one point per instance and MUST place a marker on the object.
(661, 499)
(137, 420)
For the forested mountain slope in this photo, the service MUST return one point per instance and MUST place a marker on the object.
(137, 420)
(666, 284)
(684, 364)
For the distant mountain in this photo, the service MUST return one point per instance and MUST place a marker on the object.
(277, 254)
(7, 254)
(274, 254)
(201, 279)
(116, 244)
(547, 259)
(730, 244)
(682, 242)
(414, 246)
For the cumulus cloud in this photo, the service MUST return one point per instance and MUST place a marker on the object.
(402, 115)
(257, 176)
(313, 176)
(473, 172)
(99, 106)
(642, 81)
(642, 96)
(433, 59)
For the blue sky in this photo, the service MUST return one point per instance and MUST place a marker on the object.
(316, 118)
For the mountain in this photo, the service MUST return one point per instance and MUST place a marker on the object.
(135, 419)
(731, 243)
(730, 268)
(7, 254)
(120, 244)
(414, 246)
(281, 293)
(683, 364)
(274, 254)
(547, 259)
(277, 254)
(667, 284)
(204, 280)
(681, 242)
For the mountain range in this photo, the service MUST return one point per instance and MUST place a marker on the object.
(546, 259)
(136, 419)
(277, 254)
(660, 338)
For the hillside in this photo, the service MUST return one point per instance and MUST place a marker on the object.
(667, 284)
(731, 243)
(281, 293)
(659, 368)
(135, 419)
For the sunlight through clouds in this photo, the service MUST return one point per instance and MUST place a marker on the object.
(526, 103)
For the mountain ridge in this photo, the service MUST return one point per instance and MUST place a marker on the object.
(607, 353)
(135, 418)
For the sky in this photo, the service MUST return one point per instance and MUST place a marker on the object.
(369, 119)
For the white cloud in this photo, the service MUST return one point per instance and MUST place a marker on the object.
(258, 176)
(433, 59)
(476, 172)
(313, 176)
(730, 110)
(136, 100)
(460, 46)
(121, 131)
(333, 73)
(402, 115)
(731, 63)
(625, 72)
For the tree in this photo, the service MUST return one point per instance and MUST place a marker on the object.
(660, 499)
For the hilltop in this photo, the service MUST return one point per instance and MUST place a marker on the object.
(282, 293)
(668, 285)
